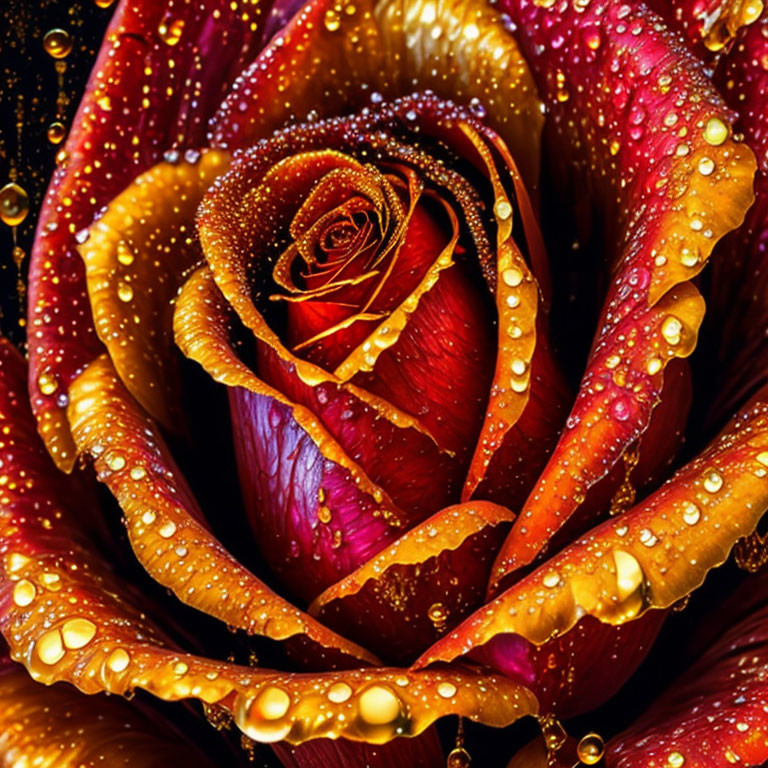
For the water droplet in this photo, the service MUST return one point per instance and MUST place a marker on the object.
(675, 760)
(512, 277)
(551, 579)
(56, 132)
(124, 292)
(47, 383)
(338, 693)
(671, 330)
(762, 458)
(170, 31)
(50, 648)
(629, 574)
(590, 749)
(57, 43)
(438, 615)
(503, 209)
(378, 705)
(148, 517)
(458, 758)
(332, 20)
(713, 482)
(168, 529)
(138, 472)
(324, 514)
(273, 703)
(446, 690)
(77, 633)
(118, 660)
(691, 513)
(14, 204)
(180, 668)
(653, 366)
(124, 253)
(116, 461)
(24, 593)
(706, 166)
(715, 131)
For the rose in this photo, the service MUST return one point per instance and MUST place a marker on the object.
(349, 455)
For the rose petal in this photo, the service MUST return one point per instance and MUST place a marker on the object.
(161, 73)
(135, 259)
(461, 49)
(335, 482)
(649, 557)
(652, 140)
(59, 726)
(404, 598)
(63, 616)
(165, 526)
(714, 715)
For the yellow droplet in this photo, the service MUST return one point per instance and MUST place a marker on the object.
(50, 648)
(56, 132)
(629, 574)
(77, 633)
(124, 292)
(706, 166)
(713, 482)
(47, 383)
(446, 690)
(671, 329)
(503, 209)
(138, 472)
(762, 458)
(653, 365)
(715, 131)
(51, 581)
(168, 529)
(124, 253)
(148, 517)
(378, 705)
(273, 703)
(338, 693)
(691, 513)
(512, 277)
(57, 43)
(675, 760)
(331, 20)
(458, 758)
(324, 514)
(551, 579)
(437, 614)
(104, 3)
(116, 462)
(14, 204)
(118, 660)
(24, 593)
(180, 668)
(170, 31)
(590, 749)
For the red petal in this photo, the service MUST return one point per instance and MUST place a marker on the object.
(160, 74)
(714, 716)
(651, 138)
(404, 598)
(60, 727)
(649, 557)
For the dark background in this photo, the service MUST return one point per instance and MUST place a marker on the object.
(28, 96)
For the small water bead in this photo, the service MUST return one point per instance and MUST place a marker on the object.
(14, 204)
(180, 668)
(551, 579)
(671, 330)
(332, 20)
(338, 693)
(272, 703)
(715, 131)
(378, 705)
(713, 482)
(138, 473)
(438, 615)
(116, 462)
(104, 3)
(168, 529)
(170, 31)
(47, 383)
(706, 166)
(324, 514)
(148, 517)
(590, 749)
(124, 292)
(124, 253)
(24, 593)
(77, 633)
(51, 581)
(691, 513)
(56, 132)
(675, 760)
(518, 367)
(629, 574)
(648, 537)
(458, 758)
(762, 458)
(57, 43)
(50, 647)
(653, 366)
(118, 660)
(512, 277)
(446, 690)
(503, 209)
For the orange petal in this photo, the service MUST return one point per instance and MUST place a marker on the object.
(165, 526)
(460, 49)
(404, 598)
(612, 410)
(60, 727)
(135, 259)
(649, 557)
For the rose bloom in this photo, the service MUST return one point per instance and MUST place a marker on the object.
(386, 323)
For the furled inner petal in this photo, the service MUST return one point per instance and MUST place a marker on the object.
(135, 258)
(649, 557)
(160, 74)
(165, 526)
